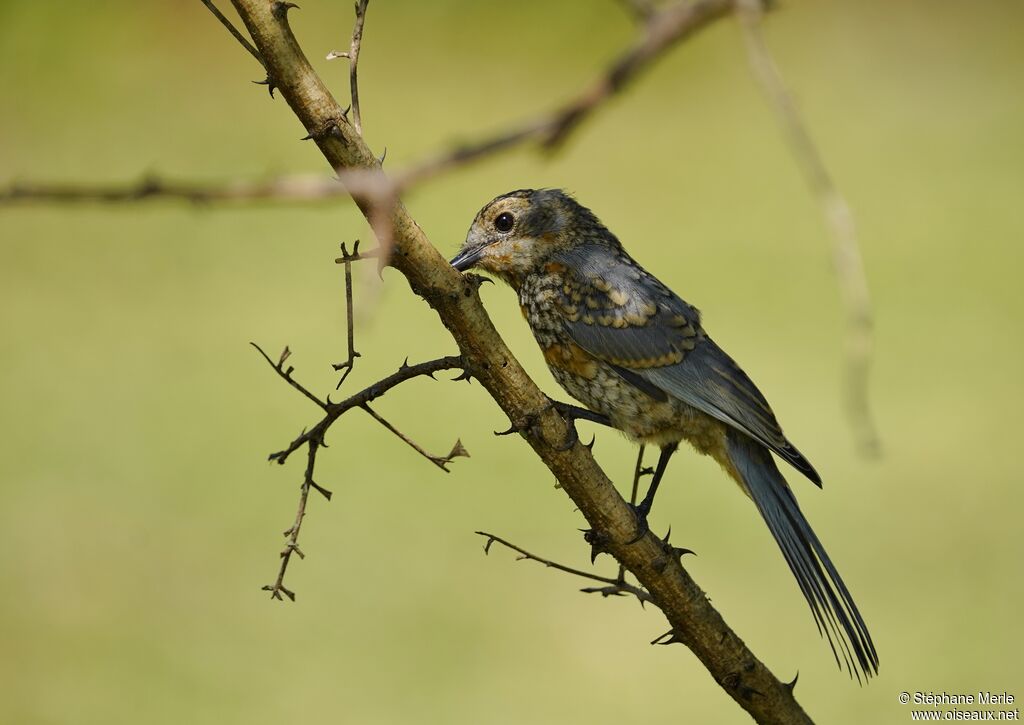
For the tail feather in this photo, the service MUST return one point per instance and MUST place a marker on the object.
(835, 614)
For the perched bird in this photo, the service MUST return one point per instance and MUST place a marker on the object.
(632, 351)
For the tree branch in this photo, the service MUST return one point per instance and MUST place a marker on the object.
(849, 265)
(484, 354)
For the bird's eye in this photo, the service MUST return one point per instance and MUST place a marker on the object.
(504, 222)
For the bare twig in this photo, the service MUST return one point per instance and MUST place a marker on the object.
(353, 63)
(234, 31)
(292, 534)
(614, 587)
(846, 251)
(286, 373)
(458, 450)
(347, 258)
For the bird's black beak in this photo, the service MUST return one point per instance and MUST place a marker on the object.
(467, 258)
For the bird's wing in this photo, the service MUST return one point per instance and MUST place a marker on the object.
(621, 314)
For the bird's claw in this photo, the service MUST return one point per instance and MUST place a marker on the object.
(572, 437)
(570, 414)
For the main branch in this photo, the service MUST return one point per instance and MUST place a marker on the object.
(484, 354)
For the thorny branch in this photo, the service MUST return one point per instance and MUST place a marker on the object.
(849, 264)
(292, 533)
(353, 62)
(313, 439)
(364, 396)
(614, 587)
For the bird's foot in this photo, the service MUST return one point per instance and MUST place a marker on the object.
(571, 413)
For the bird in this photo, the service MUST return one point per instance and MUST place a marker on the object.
(636, 355)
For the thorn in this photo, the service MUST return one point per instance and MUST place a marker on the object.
(268, 83)
(285, 354)
(404, 365)
(344, 114)
(792, 684)
(490, 540)
(383, 156)
(669, 637)
(308, 137)
(323, 491)
(668, 534)
(281, 9)
(597, 541)
(612, 590)
(464, 375)
(678, 552)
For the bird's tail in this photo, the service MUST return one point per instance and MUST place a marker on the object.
(831, 604)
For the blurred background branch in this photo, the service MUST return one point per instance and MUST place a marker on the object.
(849, 265)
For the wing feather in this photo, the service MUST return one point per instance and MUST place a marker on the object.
(621, 314)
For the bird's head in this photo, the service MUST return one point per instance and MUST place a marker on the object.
(517, 233)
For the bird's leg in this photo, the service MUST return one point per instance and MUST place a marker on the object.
(645, 506)
(572, 413)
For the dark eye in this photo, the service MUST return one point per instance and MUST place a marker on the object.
(504, 222)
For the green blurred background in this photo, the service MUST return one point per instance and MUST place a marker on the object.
(139, 516)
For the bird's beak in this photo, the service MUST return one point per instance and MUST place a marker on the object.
(467, 258)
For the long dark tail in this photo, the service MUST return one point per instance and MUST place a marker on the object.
(831, 604)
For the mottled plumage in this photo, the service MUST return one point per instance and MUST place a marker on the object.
(627, 347)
